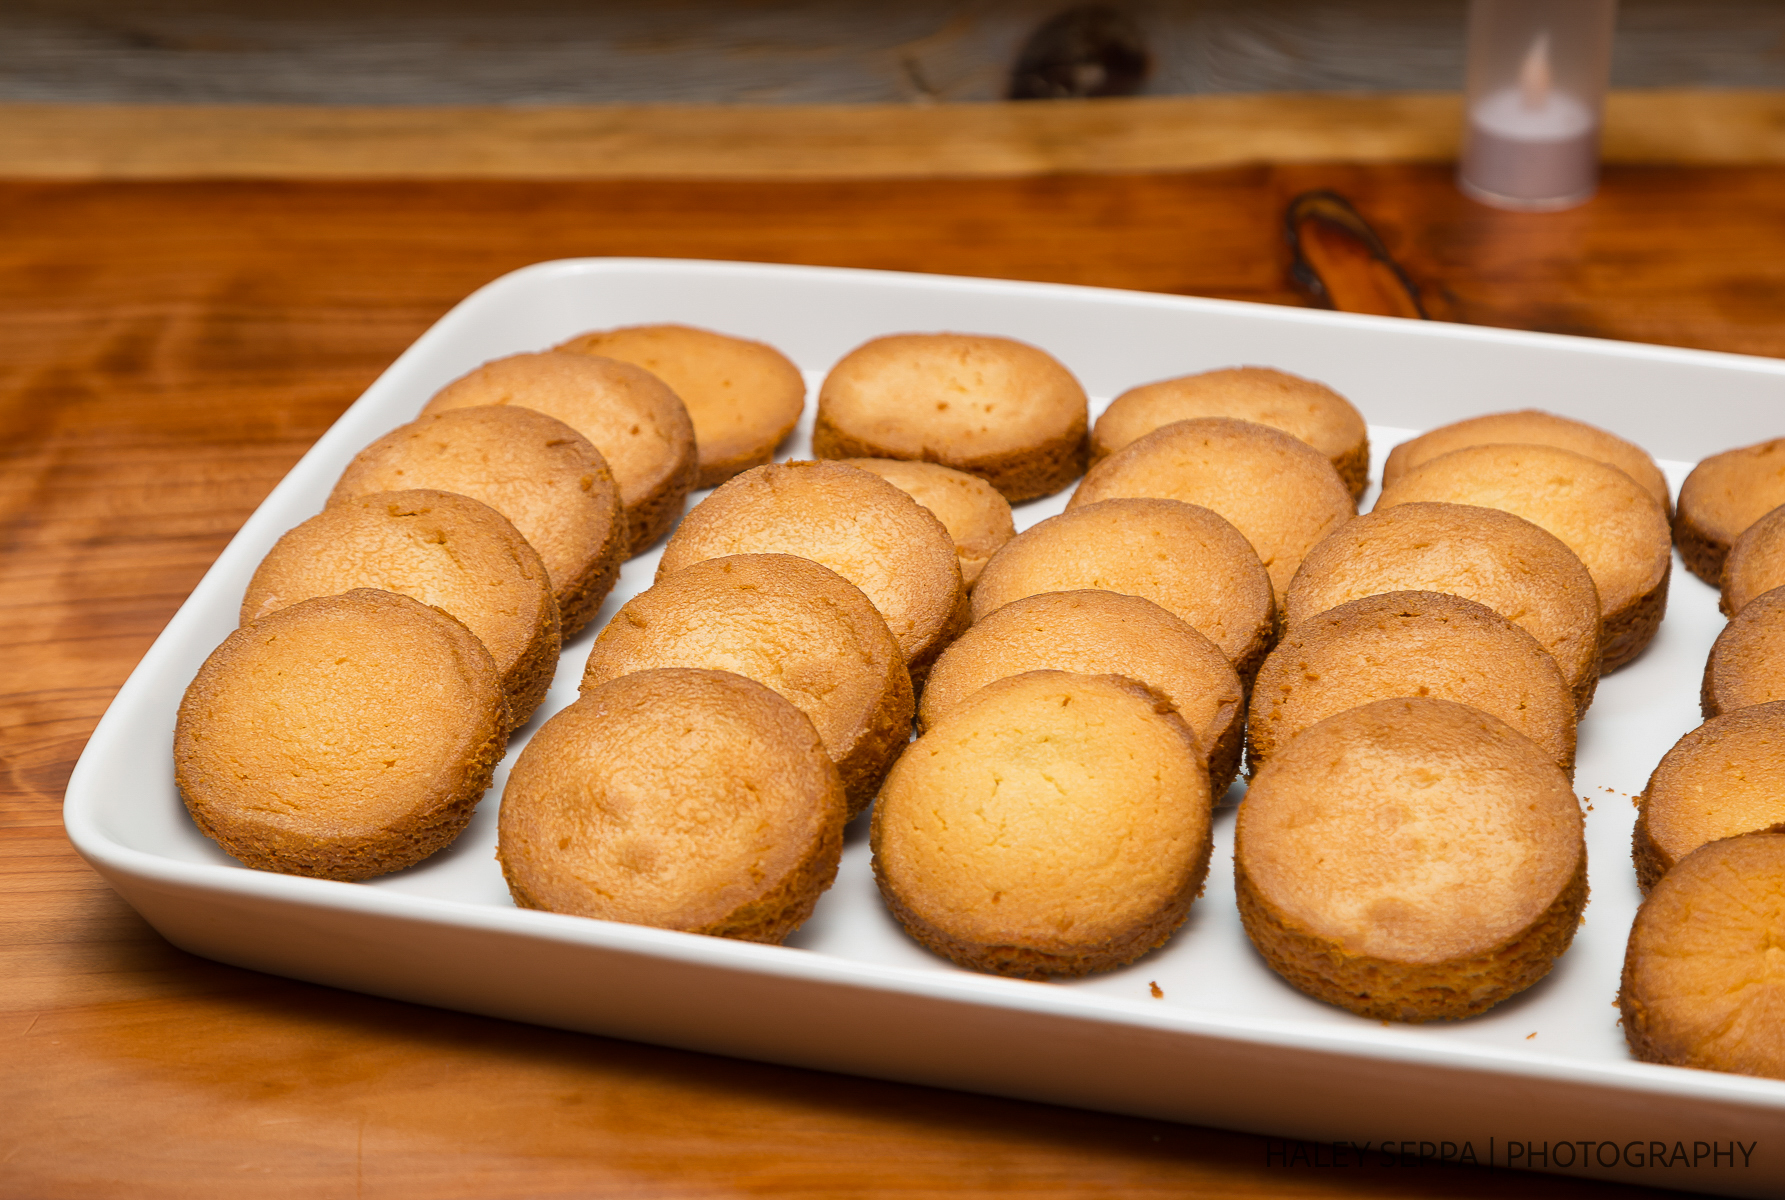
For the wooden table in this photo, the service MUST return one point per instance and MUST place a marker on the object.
(167, 350)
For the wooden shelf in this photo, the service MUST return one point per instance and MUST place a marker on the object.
(740, 142)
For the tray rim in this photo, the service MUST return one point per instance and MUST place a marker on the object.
(981, 990)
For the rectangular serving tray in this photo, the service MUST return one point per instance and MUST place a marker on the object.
(1543, 1081)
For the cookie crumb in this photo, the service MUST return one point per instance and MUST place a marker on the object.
(1155, 989)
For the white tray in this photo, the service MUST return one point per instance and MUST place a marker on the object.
(1229, 1044)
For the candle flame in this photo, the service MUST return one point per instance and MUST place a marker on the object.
(1534, 75)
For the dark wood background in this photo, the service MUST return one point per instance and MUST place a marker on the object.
(785, 51)
(167, 350)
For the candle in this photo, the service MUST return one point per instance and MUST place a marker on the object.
(1536, 78)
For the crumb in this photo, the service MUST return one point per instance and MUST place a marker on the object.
(1158, 994)
(1529, 1036)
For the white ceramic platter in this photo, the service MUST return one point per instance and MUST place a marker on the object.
(1228, 1044)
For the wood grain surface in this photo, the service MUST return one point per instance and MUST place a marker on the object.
(785, 51)
(885, 141)
(167, 350)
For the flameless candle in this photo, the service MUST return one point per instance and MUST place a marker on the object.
(1537, 72)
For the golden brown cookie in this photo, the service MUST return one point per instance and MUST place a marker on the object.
(1101, 633)
(640, 426)
(542, 475)
(1755, 563)
(1703, 982)
(1532, 426)
(989, 406)
(443, 549)
(1726, 777)
(1615, 527)
(1299, 407)
(790, 624)
(858, 525)
(1746, 664)
(743, 397)
(1186, 559)
(343, 737)
(1411, 860)
(975, 515)
(1280, 493)
(1520, 570)
(691, 800)
(1051, 824)
(1724, 495)
(1409, 644)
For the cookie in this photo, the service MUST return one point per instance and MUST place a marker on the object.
(1726, 777)
(1618, 530)
(343, 737)
(1755, 563)
(975, 515)
(640, 426)
(1101, 633)
(1411, 860)
(1520, 570)
(791, 625)
(539, 473)
(445, 550)
(1310, 411)
(858, 525)
(1702, 986)
(691, 800)
(1186, 559)
(989, 406)
(1746, 664)
(1280, 493)
(743, 397)
(1532, 427)
(1722, 496)
(1409, 644)
(1051, 824)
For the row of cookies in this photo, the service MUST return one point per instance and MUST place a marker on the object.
(1451, 849)
(1469, 513)
(1054, 815)
(476, 537)
(1695, 987)
(1702, 985)
(1699, 987)
(1509, 560)
(345, 729)
(1724, 778)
